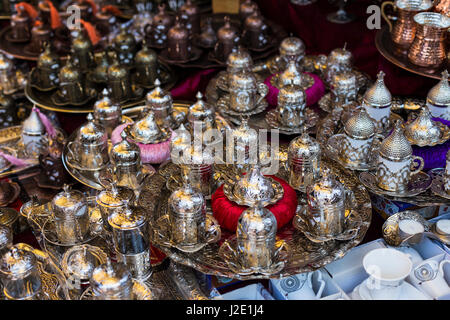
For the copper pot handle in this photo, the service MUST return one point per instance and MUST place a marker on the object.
(385, 17)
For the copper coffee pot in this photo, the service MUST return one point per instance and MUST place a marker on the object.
(428, 47)
(403, 29)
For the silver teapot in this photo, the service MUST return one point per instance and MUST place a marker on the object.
(291, 106)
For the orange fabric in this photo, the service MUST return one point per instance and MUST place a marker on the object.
(92, 33)
(31, 11)
(93, 6)
(113, 9)
(54, 16)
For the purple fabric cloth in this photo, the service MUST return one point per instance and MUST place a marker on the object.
(434, 157)
(313, 94)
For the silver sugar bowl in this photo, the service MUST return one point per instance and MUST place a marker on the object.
(256, 237)
(71, 216)
(245, 93)
(438, 99)
(303, 161)
(20, 275)
(107, 113)
(131, 239)
(423, 130)
(126, 156)
(112, 282)
(239, 60)
(146, 130)
(325, 214)
(291, 106)
(33, 132)
(291, 49)
(377, 101)
(90, 147)
(187, 216)
(161, 103)
(396, 161)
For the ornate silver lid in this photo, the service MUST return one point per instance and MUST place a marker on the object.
(179, 32)
(69, 73)
(127, 217)
(158, 96)
(91, 132)
(396, 147)
(146, 130)
(291, 94)
(242, 80)
(17, 263)
(257, 223)
(124, 41)
(80, 261)
(81, 42)
(182, 139)
(360, 126)
(292, 47)
(423, 130)
(5, 63)
(48, 59)
(254, 186)
(114, 196)
(245, 135)
(200, 111)
(186, 201)
(246, 8)
(378, 94)
(304, 146)
(227, 33)
(326, 191)
(189, 8)
(105, 109)
(146, 56)
(33, 124)
(117, 72)
(125, 152)
(291, 75)
(69, 204)
(255, 21)
(340, 57)
(6, 237)
(439, 95)
(112, 281)
(239, 60)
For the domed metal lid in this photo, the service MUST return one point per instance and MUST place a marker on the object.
(292, 94)
(244, 134)
(5, 63)
(292, 46)
(158, 96)
(182, 138)
(254, 186)
(117, 71)
(125, 152)
(439, 95)
(326, 191)
(33, 124)
(6, 236)
(146, 130)
(162, 17)
(227, 33)
(69, 203)
(17, 263)
(257, 223)
(127, 217)
(111, 279)
(114, 196)
(304, 146)
(91, 131)
(341, 57)
(291, 75)
(239, 59)
(247, 7)
(179, 31)
(360, 126)
(254, 21)
(124, 39)
(48, 59)
(146, 56)
(396, 147)
(81, 42)
(105, 108)
(69, 73)
(186, 200)
(81, 260)
(378, 94)
(200, 110)
(189, 8)
(423, 130)
(243, 80)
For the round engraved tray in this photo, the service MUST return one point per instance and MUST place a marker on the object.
(303, 254)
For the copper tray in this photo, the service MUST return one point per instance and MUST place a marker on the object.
(386, 47)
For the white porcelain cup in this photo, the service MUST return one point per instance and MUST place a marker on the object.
(299, 286)
(429, 277)
(395, 175)
(380, 116)
(387, 269)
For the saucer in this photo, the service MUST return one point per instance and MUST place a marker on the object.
(195, 55)
(229, 191)
(223, 107)
(445, 135)
(332, 151)
(307, 81)
(228, 252)
(49, 233)
(437, 187)
(140, 292)
(419, 183)
(34, 83)
(59, 100)
(406, 292)
(161, 234)
(390, 226)
(76, 165)
(352, 224)
(311, 120)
